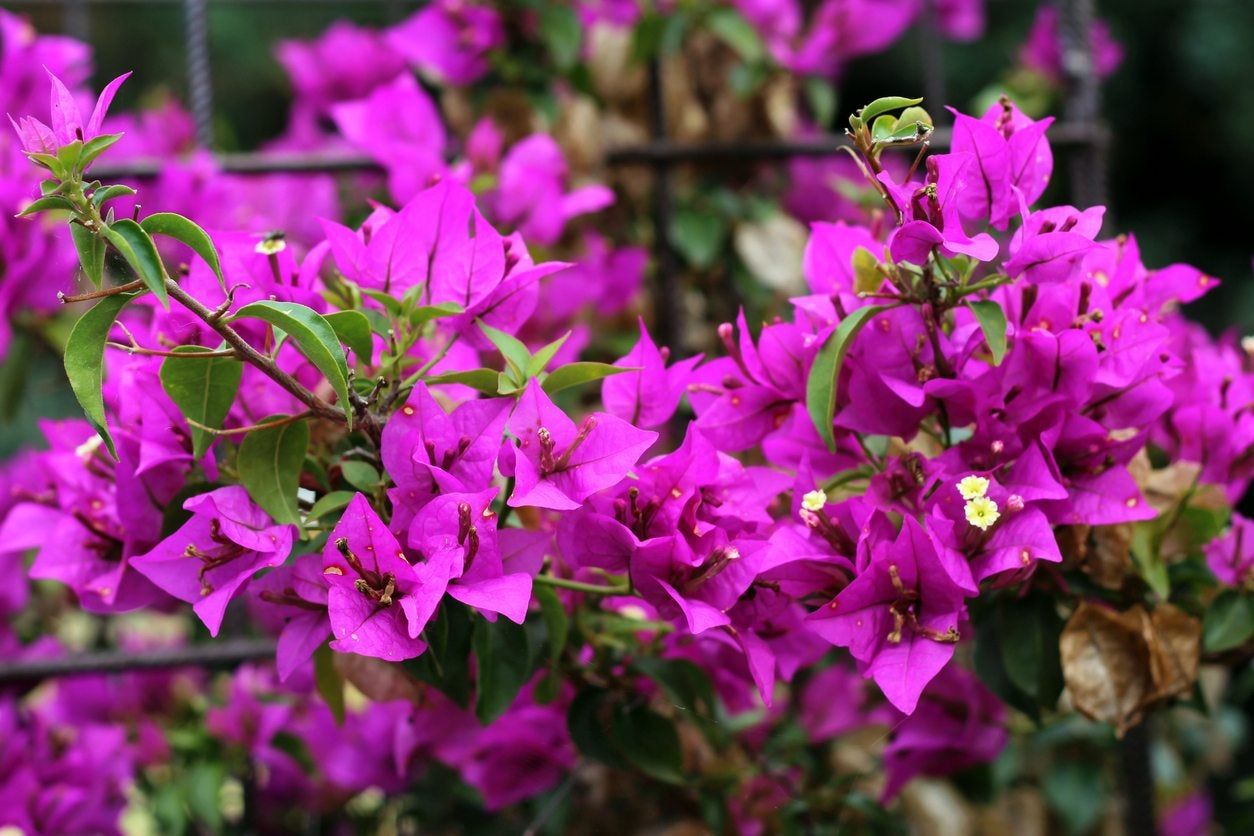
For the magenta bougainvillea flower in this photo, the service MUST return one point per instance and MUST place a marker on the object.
(378, 602)
(649, 395)
(558, 464)
(449, 39)
(67, 124)
(213, 555)
(1231, 557)
(900, 616)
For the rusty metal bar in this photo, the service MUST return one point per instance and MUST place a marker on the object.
(218, 654)
(667, 301)
(199, 75)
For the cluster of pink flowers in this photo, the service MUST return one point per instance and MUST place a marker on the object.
(818, 508)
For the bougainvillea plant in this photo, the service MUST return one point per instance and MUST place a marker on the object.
(985, 440)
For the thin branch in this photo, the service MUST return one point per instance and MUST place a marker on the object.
(580, 586)
(265, 425)
(117, 290)
(156, 352)
(316, 405)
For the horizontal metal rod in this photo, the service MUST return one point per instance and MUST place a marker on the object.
(211, 2)
(1061, 135)
(218, 654)
(656, 152)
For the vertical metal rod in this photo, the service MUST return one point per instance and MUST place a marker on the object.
(1083, 99)
(76, 19)
(932, 59)
(1138, 780)
(667, 301)
(199, 77)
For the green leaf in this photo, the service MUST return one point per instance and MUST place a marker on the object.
(95, 147)
(557, 630)
(187, 232)
(542, 357)
(562, 34)
(423, 314)
(992, 321)
(1074, 790)
(203, 388)
(99, 196)
(353, 330)
(91, 252)
(824, 374)
(135, 245)
(329, 504)
(330, 683)
(269, 464)
(360, 475)
(699, 236)
(821, 97)
(556, 621)
(47, 204)
(502, 659)
(885, 105)
(1029, 629)
(867, 277)
(84, 360)
(574, 374)
(486, 381)
(883, 127)
(446, 664)
(1148, 559)
(587, 720)
(512, 349)
(732, 28)
(315, 337)
(649, 741)
(915, 114)
(389, 302)
(1228, 622)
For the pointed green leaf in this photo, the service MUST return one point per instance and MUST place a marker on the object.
(91, 252)
(100, 196)
(269, 464)
(992, 321)
(84, 360)
(330, 683)
(542, 357)
(573, 374)
(486, 381)
(187, 232)
(329, 504)
(95, 147)
(360, 475)
(825, 373)
(649, 741)
(502, 658)
(203, 388)
(867, 277)
(511, 348)
(48, 203)
(314, 336)
(389, 302)
(423, 314)
(135, 245)
(732, 29)
(1229, 622)
(353, 330)
(885, 105)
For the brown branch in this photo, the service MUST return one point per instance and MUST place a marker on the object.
(100, 294)
(317, 406)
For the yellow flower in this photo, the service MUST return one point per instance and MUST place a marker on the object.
(973, 487)
(814, 500)
(982, 512)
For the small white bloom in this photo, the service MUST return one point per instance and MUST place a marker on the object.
(982, 512)
(814, 500)
(973, 487)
